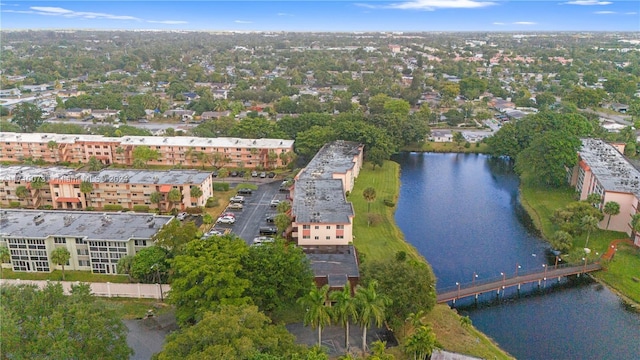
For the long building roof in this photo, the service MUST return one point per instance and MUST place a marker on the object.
(610, 167)
(187, 141)
(28, 173)
(92, 226)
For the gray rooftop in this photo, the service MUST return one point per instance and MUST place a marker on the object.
(9, 173)
(334, 157)
(611, 169)
(335, 266)
(92, 226)
(321, 201)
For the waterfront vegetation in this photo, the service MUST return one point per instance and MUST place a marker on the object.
(56, 275)
(377, 237)
(448, 147)
(541, 202)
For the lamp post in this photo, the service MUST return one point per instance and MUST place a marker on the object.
(503, 278)
(585, 265)
(545, 271)
(557, 259)
(473, 281)
(517, 267)
(458, 284)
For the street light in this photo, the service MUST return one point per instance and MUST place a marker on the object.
(557, 259)
(458, 284)
(517, 267)
(585, 264)
(473, 282)
(503, 279)
(545, 271)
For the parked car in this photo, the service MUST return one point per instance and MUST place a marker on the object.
(271, 175)
(263, 175)
(245, 191)
(254, 174)
(234, 174)
(270, 218)
(228, 214)
(226, 220)
(182, 216)
(214, 232)
(237, 199)
(262, 239)
(215, 174)
(274, 203)
(268, 230)
(235, 206)
(241, 173)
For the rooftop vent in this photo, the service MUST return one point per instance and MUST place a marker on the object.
(68, 219)
(38, 219)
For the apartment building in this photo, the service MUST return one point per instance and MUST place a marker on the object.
(95, 241)
(322, 215)
(186, 151)
(603, 170)
(61, 188)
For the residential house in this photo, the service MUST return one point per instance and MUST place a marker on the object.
(441, 136)
(95, 240)
(183, 115)
(208, 115)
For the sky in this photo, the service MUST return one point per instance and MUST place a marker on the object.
(321, 15)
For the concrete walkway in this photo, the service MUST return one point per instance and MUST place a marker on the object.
(613, 247)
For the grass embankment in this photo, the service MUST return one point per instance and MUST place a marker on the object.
(620, 272)
(447, 147)
(56, 275)
(382, 239)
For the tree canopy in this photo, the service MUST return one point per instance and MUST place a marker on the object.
(27, 116)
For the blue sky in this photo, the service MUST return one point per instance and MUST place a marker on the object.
(319, 15)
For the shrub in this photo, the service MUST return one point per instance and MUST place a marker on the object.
(194, 210)
(112, 207)
(389, 202)
(14, 204)
(374, 219)
(467, 145)
(125, 209)
(88, 208)
(220, 187)
(141, 208)
(46, 207)
(212, 202)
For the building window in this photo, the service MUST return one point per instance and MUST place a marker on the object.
(317, 227)
(306, 227)
(317, 237)
(141, 242)
(306, 237)
(339, 237)
(84, 263)
(340, 227)
(59, 240)
(328, 227)
(83, 251)
(328, 237)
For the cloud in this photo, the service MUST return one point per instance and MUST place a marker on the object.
(631, 13)
(284, 14)
(243, 22)
(168, 22)
(431, 5)
(588, 2)
(499, 23)
(524, 23)
(604, 12)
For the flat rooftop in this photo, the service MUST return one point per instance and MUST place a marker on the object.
(335, 266)
(334, 157)
(10, 173)
(611, 168)
(321, 201)
(92, 226)
(148, 140)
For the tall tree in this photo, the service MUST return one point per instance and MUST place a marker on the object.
(173, 196)
(27, 116)
(5, 256)
(611, 208)
(369, 195)
(589, 223)
(156, 198)
(635, 224)
(175, 235)
(561, 241)
(86, 187)
(46, 324)
(317, 314)
(60, 256)
(421, 343)
(344, 310)
(371, 309)
(206, 275)
(22, 192)
(150, 265)
(195, 192)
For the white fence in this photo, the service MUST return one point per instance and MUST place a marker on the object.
(148, 291)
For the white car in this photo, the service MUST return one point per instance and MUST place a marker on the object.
(262, 239)
(182, 216)
(237, 199)
(226, 220)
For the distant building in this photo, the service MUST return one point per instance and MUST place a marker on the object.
(441, 136)
(126, 188)
(95, 241)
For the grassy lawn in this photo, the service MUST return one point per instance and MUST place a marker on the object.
(447, 147)
(382, 239)
(56, 275)
(541, 203)
(135, 308)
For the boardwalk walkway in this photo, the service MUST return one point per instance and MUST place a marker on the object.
(478, 287)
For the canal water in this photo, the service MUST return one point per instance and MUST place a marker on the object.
(462, 213)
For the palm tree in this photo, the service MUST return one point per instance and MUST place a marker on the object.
(94, 164)
(195, 192)
(369, 195)
(156, 198)
(589, 223)
(318, 314)
(37, 184)
(371, 307)
(53, 147)
(173, 196)
(611, 208)
(60, 256)
(86, 187)
(594, 199)
(5, 256)
(22, 192)
(635, 224)
(344, 310)
(421, 343)
(561, 241)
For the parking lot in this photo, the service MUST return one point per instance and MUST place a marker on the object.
(256, 206)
